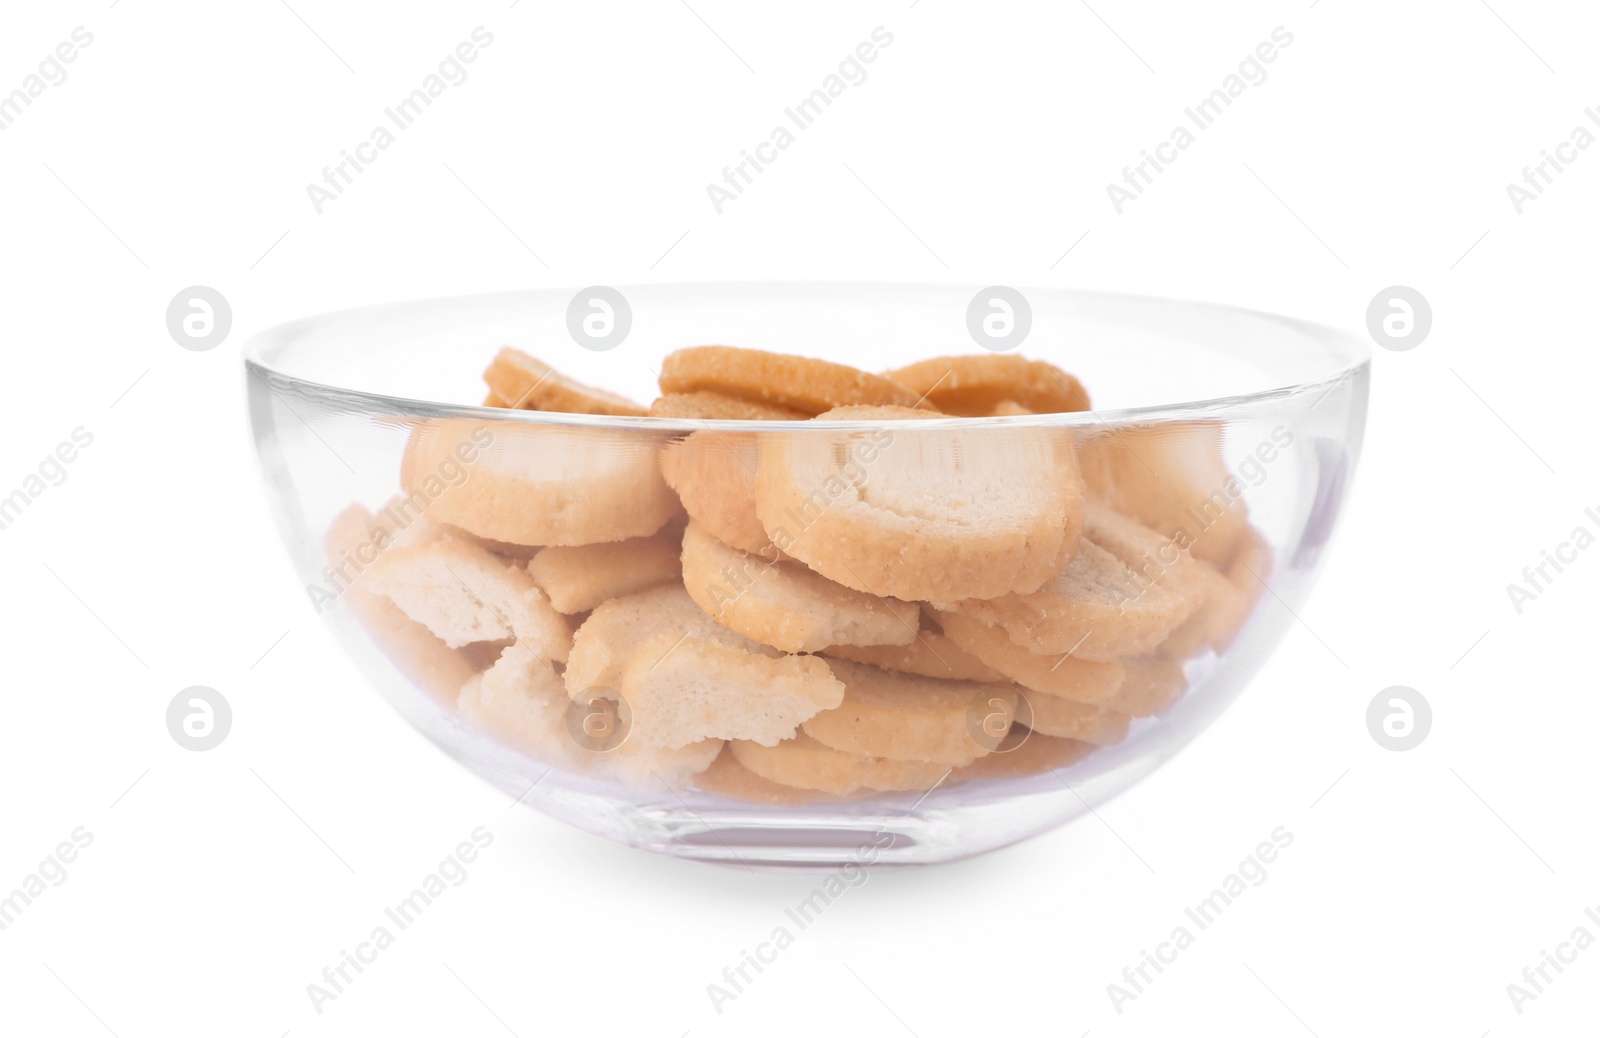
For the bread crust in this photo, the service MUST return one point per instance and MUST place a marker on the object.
(805, 763)
(707, 404)
(1171, 477)
(1082, 722)
(526, 383)
(1061, 674)
(1024, 752)
(784, 604)
(802, 384)
(932, 655)
(726, 777)
(1101, 607)
(906, 717)
(979, 385)
(538, 484)
(714, 474)
(577, 578)
(923, 514)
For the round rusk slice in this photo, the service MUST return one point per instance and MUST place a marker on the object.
(1123, 594)
(918, 513)
(519, 381)
(799, 383)
(786, 605)
(805, 763)
(1024, 752)
(714, 474)
(1083, 722)
(537, 484)
(1060, 674)
(705, 405)
(992, 384)
(579, 577)
(1171, 477)
(728, 778)
(1222, 612)
(932, 655)
(907, 717)
(1150, 685)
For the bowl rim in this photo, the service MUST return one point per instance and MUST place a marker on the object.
(1351, 354)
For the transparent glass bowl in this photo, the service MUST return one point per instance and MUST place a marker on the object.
(1231, 433)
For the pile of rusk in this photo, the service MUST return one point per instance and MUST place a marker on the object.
(792, 617)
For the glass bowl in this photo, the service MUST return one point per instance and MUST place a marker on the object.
(913, 549)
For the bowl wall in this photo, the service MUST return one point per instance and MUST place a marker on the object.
(1265, 411)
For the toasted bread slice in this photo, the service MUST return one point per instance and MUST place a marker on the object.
(1083, 722)
(1171, 477)
(685, 677)
(464, 594)
(922, 514)
(1150, 685)
(578, 578)
(522, 701)
(1101, 607)
(1008, 409)
(726, 777)
(932, 655)
(1153, 557)
(519, 381)
(1024, 752)
(605, 643)
(1222, 612)
(355, 537)
(1059, 674)
(684, 689)
(798, 383)
(805, 763)
(537, 484)
(991, 384)
(714, 474)
(704, 404)
(907, 717)
(786, 605)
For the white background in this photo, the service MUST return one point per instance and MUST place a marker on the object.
(218, 885)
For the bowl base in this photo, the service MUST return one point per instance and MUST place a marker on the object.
(828, 839)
